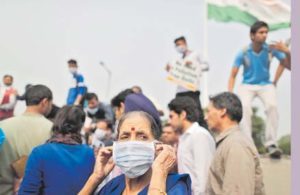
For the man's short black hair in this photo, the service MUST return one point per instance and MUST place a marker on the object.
(231, 103)
(36, 93)
(72, 61)
(186, 104)
(8, 75)
(182, 38)
(116, 101)
(90, 96)
(257, 25)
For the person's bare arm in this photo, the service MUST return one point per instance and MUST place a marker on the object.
(78, 100)
(278, 74)
(234, 72)
(280, 46)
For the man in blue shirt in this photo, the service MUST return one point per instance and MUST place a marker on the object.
(78, 89)
(256, 59)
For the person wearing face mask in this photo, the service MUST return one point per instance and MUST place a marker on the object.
(95, 112)
(103, 135)
(145, 163)
(78, 88)
(23, 133)
(188, 57)
(8, 98)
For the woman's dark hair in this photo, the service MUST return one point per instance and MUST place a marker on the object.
(69, 120)
(186, 104)
(155, 130)
(231, 103)
(257, 25)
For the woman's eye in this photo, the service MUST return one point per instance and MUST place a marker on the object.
(123, 137)
(143, 137)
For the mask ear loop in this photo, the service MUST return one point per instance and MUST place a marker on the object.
(156, 143)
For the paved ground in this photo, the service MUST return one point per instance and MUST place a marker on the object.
(277, 176)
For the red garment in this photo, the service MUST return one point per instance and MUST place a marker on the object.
(4, 114)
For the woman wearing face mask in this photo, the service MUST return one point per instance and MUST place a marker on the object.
(145, 165)
(63, 164)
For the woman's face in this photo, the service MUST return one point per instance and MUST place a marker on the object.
(135, 129)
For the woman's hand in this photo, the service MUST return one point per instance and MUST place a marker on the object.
(165, 160)
(104, 162)
(103, 166)
(163, 163)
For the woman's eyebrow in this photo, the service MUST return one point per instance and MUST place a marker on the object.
(124, 132)
(140, 131)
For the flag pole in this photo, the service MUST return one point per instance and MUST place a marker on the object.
(204, 96)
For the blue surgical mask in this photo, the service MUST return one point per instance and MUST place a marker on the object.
(134, 158)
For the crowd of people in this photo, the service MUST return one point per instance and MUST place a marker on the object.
(91, 147)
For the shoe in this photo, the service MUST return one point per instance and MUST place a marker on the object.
(274, 152)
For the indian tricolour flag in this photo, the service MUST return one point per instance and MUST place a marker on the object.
(274, 12)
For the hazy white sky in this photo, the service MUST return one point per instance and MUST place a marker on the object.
(134, 38)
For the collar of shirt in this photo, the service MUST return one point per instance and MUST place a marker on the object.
(190, 130)
(265, 46)
(32, 114)
(222, 136)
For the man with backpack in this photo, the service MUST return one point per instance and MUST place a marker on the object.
(256, 60)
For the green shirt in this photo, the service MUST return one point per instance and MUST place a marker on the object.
(22, 133)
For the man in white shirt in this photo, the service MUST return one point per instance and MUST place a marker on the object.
(196, 146)
(189, 58)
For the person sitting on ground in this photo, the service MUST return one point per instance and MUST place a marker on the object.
(145, 164)
(63, 164)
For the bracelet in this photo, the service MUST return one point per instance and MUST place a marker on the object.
(160, 191)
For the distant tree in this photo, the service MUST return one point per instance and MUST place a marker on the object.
(284, 144)
(258, 129)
